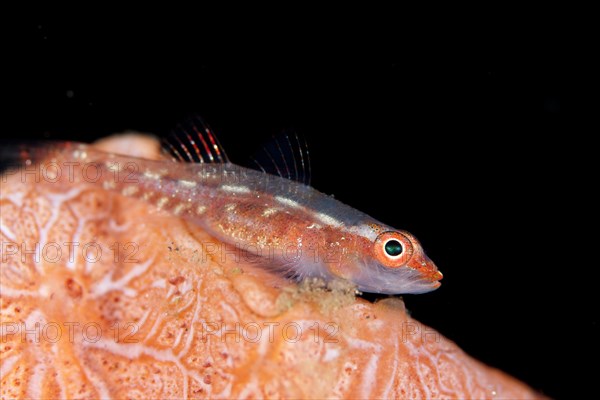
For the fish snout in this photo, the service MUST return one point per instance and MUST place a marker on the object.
(426, 267)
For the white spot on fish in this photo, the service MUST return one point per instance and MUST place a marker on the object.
(189, 184)
(130, 190)
(287, 202)
(82, 155)
(269, 211)
(179, 208)
(364, 230)
(152, 175)
(328, 220)
(200, 209)
(235, 189)
(113, 166)
(147, 195)
(107, 185)
(314, 226)
(161, 203)
(230, 207)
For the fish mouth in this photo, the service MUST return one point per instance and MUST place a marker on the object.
(425, 267)
(434, 280)
(435, 277)
(423, 285)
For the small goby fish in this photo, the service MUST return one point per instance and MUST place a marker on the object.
(288, 226)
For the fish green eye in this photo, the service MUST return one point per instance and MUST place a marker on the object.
(393, 248)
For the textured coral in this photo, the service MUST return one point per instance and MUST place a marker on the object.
(104, 296)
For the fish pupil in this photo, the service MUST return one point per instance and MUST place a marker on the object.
(393, 248)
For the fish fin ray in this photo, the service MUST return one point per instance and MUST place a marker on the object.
(194, 142)
(285, 155)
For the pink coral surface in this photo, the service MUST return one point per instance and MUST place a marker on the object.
(103, 296)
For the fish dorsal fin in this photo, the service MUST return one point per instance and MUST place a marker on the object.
(285, 155)
(193, 141)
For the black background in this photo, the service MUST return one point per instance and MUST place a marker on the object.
(470, 138)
